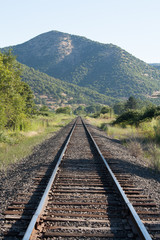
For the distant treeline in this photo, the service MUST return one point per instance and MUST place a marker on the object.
(134, 112)
(95, 110)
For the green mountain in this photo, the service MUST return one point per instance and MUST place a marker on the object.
(54, 92)
(156, 65)
(105, 68)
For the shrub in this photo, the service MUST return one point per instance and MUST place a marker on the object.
(104, 126)
(105, 109)
(131, 117)
(157, 131)
(80, 110)
(44, 108)
(154, 152)
(65, 110)
(96, 115)
(149, 113)
(135, 148)
(147, 130)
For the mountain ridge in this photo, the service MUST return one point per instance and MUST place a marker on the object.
(105, 68)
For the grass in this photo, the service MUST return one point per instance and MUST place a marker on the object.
(142, 142)
(16, 145)
(104, 118)
(115, 132)
(154, 156)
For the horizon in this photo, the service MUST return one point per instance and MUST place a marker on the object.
(78, 36)
(130, 25)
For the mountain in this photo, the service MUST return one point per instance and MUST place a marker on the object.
(104, 68)
(54, 92)
(156, 65)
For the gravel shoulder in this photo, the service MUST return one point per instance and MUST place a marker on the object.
(142, 175)
(18, 177)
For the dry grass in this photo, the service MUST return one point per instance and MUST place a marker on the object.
(139, 141)
(135, 148)
(30, 134)
(154, 156)
(98, 121)
(17, 145)
(114, 132)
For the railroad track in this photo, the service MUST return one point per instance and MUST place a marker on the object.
(84, 199)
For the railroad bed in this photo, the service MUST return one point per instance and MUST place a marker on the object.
(83, 202)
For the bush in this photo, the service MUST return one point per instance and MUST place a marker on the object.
(157, 131)
(104, 126)
(154, 152)
(96, 115)
(119, 108)
(135, 148)
(149, 113)
(131, 117)
(147, 130)
(44, 108)
(105, 109)
(65, 110)
(80, 110)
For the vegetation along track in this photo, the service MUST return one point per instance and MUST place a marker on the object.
(83, 199)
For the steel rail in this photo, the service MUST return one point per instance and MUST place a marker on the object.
(43, 201)
(142, 231)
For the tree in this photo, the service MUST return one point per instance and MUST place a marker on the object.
(105, 109)
(93, 108)
(130, 117)
(28, 97)
(80, 110)
(131, 103)
(119, 108)
(90, 109)
(65, 110)
(15, 95)
(44, 108)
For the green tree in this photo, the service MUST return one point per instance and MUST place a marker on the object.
(14, 99)
(130, 117)
(119, 108)
(28, 97)
(93, 108)
(65, 110)
(105, 109)
(80, 110)
(131, 103)
(90, 109)
(44, 108)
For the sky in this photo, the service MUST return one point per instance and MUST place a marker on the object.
(130, 24)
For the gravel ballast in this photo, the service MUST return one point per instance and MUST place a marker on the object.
(143, 176)
(19, 176)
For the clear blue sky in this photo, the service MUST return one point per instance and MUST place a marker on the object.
(131, 24)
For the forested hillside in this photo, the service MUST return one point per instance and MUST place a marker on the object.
(104, 68)
(155, 65)
(54, 92)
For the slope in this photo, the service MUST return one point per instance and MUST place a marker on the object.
(105, 68)
(155, 65)
(55, 93)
